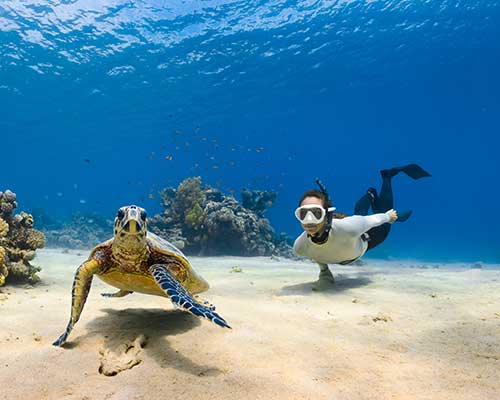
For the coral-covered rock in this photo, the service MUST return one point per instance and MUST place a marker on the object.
(82, 231)
(202, 220)
(4, 228)
(258, 200)
(18, 242)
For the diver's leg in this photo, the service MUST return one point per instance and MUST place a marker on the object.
(325, 279)
(362, 206)
(377, 235)
(385, 201)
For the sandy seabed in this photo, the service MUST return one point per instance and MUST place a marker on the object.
(387, 330)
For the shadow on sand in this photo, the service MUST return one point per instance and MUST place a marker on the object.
(122, 326)
(341, 283)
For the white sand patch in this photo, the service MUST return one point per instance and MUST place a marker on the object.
(386, 331)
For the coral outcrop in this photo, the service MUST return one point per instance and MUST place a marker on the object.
(202, 220)
(82, 231)
(18, 242)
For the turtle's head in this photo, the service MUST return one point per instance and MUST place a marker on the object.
(130, 225)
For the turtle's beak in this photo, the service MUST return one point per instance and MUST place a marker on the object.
(132, 226)
(130, 221)
(133, 223)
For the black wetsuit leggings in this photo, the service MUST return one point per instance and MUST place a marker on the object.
(379, 203)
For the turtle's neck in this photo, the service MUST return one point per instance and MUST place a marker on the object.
(130, 250)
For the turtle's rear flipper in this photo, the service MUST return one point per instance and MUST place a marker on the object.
(404, 215)
(181, 297)
(79, 293)
(120, 293)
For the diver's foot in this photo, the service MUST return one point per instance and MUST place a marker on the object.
(326, 281)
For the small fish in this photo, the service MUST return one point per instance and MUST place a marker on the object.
(75, 186)
(259, 149)
(212, 157)
(215, 167)
(196, 129)
(169, 158)
(59, 194)
(177, 148)
(86, 160)
(151, 196)
(204, 139)
(186, 144)
(196, 165)
(178, 132)
(83, 201)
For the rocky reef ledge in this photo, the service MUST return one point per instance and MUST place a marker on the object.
(201, 220)
(18, 242)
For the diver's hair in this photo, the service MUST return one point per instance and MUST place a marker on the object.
(318, 194)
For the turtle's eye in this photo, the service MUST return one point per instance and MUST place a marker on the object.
(120, 214)
(144, 215)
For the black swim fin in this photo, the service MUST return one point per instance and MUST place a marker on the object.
(412, 170)
(404, 215)
(415, 171)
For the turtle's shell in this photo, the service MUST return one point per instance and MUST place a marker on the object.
(138, 278)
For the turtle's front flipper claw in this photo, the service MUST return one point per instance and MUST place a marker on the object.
(120, 293)
(181, 297)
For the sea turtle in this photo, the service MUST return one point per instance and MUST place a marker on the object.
(136, 260)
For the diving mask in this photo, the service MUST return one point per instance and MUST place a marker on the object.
(312, 214)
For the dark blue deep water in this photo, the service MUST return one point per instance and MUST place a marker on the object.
(95, 95)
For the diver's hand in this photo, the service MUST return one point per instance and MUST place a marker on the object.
(393, 215)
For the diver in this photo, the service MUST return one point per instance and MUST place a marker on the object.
(335, 238)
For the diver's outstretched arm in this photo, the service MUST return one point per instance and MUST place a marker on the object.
(357, 224)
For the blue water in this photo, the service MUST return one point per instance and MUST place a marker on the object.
(95, 95)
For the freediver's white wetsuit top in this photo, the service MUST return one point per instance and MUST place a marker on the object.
(344, 239)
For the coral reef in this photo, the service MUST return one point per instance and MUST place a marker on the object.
(202, 220)
(258, 200)
(18, 242)
(82, 231)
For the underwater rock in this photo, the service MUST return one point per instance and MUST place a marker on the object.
(258, 200)
(204, 221)
(82, 231)
(18, 242)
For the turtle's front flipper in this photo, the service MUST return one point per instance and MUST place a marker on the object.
(79, 293)
(181, 297)
(120, 293)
